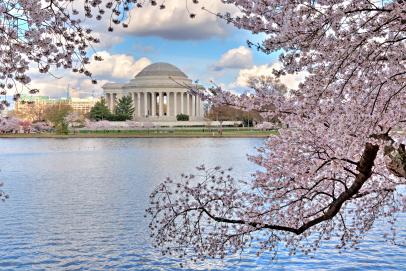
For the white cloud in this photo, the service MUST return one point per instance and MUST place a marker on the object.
(237, 58)
(107, 40)
(118, 66)
(78, 86)
(174, 22)
(290, 80)
(114, 68)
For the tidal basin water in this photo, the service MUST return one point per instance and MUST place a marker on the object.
(78, 204)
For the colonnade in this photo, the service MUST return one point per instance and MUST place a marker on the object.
(161, 104)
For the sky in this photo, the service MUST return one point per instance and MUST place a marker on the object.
(206, 48)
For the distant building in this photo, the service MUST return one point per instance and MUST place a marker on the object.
(82, 105)
(160, 92)
(30, 107)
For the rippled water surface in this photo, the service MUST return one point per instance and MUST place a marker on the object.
(78, 204)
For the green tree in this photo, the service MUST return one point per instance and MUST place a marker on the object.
(124, 109)
(182, 117)
(56, 114)
(100, 111)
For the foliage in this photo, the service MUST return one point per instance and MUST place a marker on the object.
(62, 128)
(117, 117)
(248, 122)
(100, 111)
(75, 119)
(337, 169)
(31, 111)
(56, 114)
(220, 112)
(182, 117)
(124, 109)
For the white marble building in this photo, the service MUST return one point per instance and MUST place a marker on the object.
(159, 93)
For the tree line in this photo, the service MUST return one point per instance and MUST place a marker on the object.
(124, 110)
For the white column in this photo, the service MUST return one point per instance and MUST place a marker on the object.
(193, 105)
(187, 104)
(182, 106)
(168, 102)
(133, 98)
(139, 103)
(175, 108)
(145, 103)
(111, 101)
(114, 101)
(131, 94)
(161, 104)
(200, 107)
(197, 106)
(153, 100)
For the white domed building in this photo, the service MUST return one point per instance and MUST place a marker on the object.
(159, 93)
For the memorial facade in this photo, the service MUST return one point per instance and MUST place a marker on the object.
(159, 92)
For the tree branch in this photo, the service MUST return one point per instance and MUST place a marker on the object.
(365, 165)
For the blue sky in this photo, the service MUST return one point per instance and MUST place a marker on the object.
(205, 48)
(195, 57)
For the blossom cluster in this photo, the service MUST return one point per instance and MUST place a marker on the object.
(12, 125)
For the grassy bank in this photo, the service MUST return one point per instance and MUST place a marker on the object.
(152, 133)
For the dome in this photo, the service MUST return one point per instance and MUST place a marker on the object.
(157, 75)
(161, 70)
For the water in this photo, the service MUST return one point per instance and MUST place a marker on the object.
(78, 204)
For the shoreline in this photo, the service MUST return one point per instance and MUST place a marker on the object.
(144, 134)
(134, 136)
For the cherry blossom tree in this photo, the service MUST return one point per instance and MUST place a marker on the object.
(10, 125)
(341, 163)
(41, 127)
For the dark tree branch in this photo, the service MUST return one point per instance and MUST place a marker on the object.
(365, 165)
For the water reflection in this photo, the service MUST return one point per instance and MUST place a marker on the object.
(79, 204)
